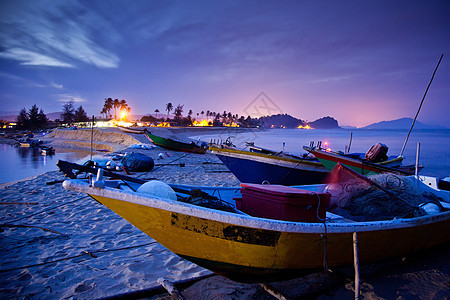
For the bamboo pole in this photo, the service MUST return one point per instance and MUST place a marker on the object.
(170, 288)
(350, 143)
(420, 106)
(272, 291)
(92, 134)
(356, 264)
(417, 161)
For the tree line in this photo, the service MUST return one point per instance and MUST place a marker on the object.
(35, 118)
(214, 118)
(114, 104)
(228, 118)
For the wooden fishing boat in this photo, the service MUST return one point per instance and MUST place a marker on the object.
(131, 130)
(45, 150)
(254, 249)
(275, 168)
(171, 144)
(357, 162)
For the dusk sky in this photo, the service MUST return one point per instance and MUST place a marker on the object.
(357, 61)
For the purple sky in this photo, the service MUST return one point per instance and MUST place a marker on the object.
(358, 61)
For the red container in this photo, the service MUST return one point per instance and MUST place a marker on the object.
(282, 203)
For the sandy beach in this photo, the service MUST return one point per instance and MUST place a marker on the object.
(57, 244)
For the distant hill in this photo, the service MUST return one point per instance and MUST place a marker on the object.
(9, 116)
(287, 121)
(53, 116)
(280, 121)
(403, 123)
(324, 123)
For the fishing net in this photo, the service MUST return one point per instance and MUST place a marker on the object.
(137, 162)
(379, 197)
(200, 198)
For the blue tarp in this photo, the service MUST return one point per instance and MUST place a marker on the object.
(138, 162)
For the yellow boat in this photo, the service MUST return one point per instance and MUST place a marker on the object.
(251, 249)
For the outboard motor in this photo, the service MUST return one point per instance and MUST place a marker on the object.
(377, 153)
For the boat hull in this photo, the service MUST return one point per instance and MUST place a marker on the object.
(330, 160)
(250, 249)
(253, 167)
(131, 130)
(174, 145)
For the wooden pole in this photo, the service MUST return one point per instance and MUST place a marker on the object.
(417, 161)
(272, 291)
(92, 134)
(420, 106)
(350, 143)
(356, 264)
(170, 288)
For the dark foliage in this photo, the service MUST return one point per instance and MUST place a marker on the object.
(33, 119)
(80, 115)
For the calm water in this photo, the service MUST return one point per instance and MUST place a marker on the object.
(20, 162)
(434, 144)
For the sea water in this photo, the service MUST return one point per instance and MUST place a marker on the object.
(433, 155)
(22, 162)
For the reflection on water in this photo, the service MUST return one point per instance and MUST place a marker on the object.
(22, 162)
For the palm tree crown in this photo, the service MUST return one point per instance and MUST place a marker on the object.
(169, 107)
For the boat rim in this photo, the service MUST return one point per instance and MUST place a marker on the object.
(227, 152)
(246, 220)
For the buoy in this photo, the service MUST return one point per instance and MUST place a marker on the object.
(110, 165)
(158, 189)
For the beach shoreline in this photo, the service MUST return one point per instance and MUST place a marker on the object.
(61, 244)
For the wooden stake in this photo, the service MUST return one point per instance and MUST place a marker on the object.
(417, 160)
(356, 264)
(272, 291)
(92, 133)
(170, 288)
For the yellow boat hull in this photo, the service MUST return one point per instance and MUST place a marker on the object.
(257, 254)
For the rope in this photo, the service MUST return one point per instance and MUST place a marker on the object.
(163, 165)
(48, 209)
(292, 169)
(324, 235)
(90, 253)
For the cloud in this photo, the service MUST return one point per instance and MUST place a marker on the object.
(56, 86)
(25, 82)
(31, 58)
(55, 34)
(64, 98)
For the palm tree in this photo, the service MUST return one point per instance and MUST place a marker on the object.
(169, 107)
(178, 112)
(224, 117)
(107, 106)
(124, 106)
(202, 113)
(116, 105)
(190, 112)
(103, 111)
(156, 113)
